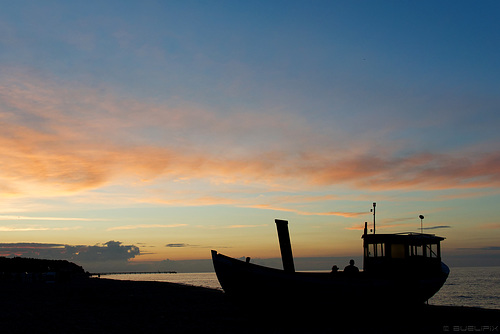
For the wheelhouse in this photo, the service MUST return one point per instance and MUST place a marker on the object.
(401, 251)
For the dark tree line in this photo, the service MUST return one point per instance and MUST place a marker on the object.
(31, 270)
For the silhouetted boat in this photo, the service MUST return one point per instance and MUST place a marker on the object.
(398, 269)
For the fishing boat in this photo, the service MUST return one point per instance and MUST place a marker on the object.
(398, 269)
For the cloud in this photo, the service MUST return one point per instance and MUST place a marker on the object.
(109, 251)
(184, 245)
(218, 227)
(135, 227)
(389, 225)
(28, 245)
(361, 227)
(306, 213)
(275, 203)
(436, 227)
(60, 138)
(422, 171)
(30, 228)
(492, 226)
(487, 248)
(492, 248)
(335, 213)
(246, 226)
(391, 221)
(13, 217)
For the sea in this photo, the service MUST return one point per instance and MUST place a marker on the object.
(466, 286)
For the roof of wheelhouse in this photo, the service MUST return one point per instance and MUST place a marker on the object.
(404, 238)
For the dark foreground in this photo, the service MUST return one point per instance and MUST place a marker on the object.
(109, 306)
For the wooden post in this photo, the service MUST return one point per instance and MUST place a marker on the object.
(285, 245)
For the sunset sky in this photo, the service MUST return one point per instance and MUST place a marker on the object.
(153, 130)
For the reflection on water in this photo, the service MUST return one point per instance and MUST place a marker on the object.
(471, 286)
(206, 280)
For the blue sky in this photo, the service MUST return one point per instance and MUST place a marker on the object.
(196, 123)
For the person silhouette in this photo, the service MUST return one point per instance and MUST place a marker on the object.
(335, 269)
(351, 268)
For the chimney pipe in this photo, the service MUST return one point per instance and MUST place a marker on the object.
(285, 245)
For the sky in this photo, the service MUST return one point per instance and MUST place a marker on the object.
(150, 132)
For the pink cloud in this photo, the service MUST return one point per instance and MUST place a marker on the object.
(144, 226)
(309, 212)
(63, 137)
(492, 226)
(246, 226)
(361, 227)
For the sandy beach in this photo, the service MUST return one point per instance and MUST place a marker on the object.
(111, 306)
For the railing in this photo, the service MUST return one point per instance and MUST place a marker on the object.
(415, 233)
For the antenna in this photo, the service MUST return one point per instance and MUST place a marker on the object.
(373, 210)
(421, 223)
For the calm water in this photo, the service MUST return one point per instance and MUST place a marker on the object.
(207, 280)
(477, 287)
(470, 286)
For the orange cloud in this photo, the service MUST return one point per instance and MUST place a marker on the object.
(59, 138)
(492, 226)
(245, 226)
(36, 228)
(362, 227)
(141, 226)
(307, 213)
(12, 217)
(189, 199)
(420, 171)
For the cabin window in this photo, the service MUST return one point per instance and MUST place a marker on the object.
(432, 250)
(417, 250)
(398, 251)
(376, 250)
(379, 250)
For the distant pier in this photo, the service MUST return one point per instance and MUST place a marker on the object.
(131, 273)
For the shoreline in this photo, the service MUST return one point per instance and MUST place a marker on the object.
(120, 306)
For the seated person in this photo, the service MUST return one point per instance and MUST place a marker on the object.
(351, 268)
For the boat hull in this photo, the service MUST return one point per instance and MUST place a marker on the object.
(251, 282)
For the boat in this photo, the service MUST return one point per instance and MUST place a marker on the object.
(398, 269)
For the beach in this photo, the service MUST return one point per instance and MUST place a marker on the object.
(112, 306)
